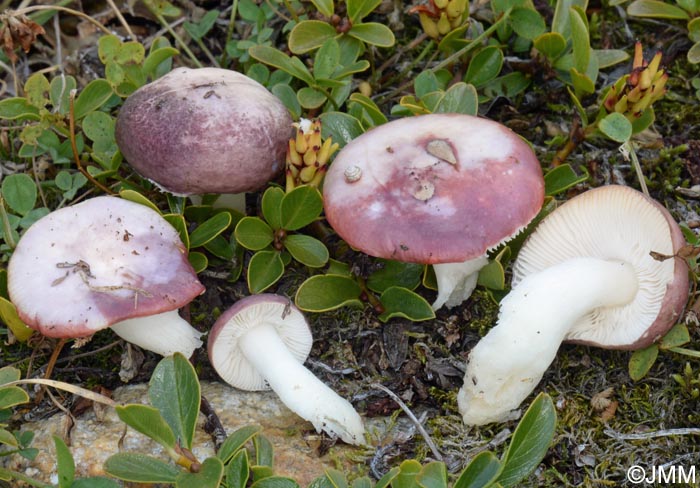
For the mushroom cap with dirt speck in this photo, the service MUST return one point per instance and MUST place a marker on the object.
(206, 130)
(438, 188)
(85, 267)
(248, 313)
(615, 223)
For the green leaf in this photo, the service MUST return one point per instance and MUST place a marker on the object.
(18, 108)
(359, 9)
(371, 109)
(643, 121)
(198, 30)
(11, 396)
(209, 229)
(139, 468)
(561, 178)
(459, 98)
(289, 98)
(98, 126)
(326, 7)
(65, 466)
(616, 127)
(276, 58)
(656, 9)
(433, 475)
(174, 390)
(641, 362)
(388, 478)
(93, 96)
(238, 470)
(253, 233)
(334, 479)
(322, 293)
(342, 127)
(149, 421)
(37, 90)
(236, 441)
(580, 40)
(481, 472)
(527, 22)
(492, 276)
(408, 473)
(426, 82)
(157, 59)
(583, 84)
(550, 44)
(373, 33)
(94, 482)
(326, 59)
(9, 374)
(264, 269)
(19, 192)
(300, 207)
(362, 482)
(209, 476)
(610, 57)
(307, 250)
(677, 336)
(311, 98)
(561, 22)
(264, 454)
(308, 35)
(485, 66)
(275, 482)
(402, 302)
(10, 317)
(395, 273)
(134, 196)
(694, 53)
(530, 441)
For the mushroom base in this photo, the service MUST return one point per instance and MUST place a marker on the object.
(456, 281)
(164, 333)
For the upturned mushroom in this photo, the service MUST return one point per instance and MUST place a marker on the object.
(440, 189)
(106, 262)
(261, 343)
(589, 275)
(206, 130)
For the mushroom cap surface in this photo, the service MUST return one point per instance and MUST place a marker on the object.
(615, 223)
(246, 314)
(85, 267)
(206, 130)
(438, 188)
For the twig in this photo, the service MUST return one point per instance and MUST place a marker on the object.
(121, 18)
(71, 11)
(212, 424)
(407, 411)
(650, 435)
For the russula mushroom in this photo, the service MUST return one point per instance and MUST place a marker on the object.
(205, 130)
(106, 262)
(440, 189)
(587, 274)
(261, 342)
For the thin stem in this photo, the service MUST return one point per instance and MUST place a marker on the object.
(121, 18)
(472, 45)
(178, 39)
(229, 31)
(74, 147)
(71, 11)
(207, 52)
(28, 480)
(628, 150)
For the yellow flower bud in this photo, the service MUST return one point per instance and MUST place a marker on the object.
(429, 25)
(443, 25)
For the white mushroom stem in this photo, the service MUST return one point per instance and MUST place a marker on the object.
(298, 388)
(164, 333)
(508, 363)
(456, 281)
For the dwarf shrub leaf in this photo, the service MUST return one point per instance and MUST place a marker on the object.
(209, 475)
(373, 33)
(641, 362)
(64, 463)
(235, 441)
(139, 468)
(264, 269)
(401, 302)
(238, 470)
(321, 293)
(616, 127)
(307, 250)
(482, 471)
(19, 192)
(149, 421)
(300, 207)
(253, 233)
(209, 229)
(174, 390)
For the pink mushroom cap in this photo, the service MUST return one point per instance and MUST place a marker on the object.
(85, 267)
(438, 188)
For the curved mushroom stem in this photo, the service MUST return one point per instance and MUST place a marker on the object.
(508, 363)
(164, 333)
(298, 388)
(456, 281)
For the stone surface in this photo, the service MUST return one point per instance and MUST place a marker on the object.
(92, 441)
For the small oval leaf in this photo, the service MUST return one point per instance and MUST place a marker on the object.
(321, 293)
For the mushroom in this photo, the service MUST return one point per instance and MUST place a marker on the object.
(206, 130)
(440, 189)
(106, 261)
(589, 275)
(261, 343)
